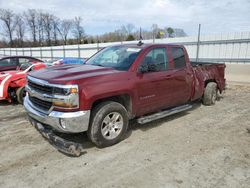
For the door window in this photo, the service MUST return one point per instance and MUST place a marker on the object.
(156, 60)
(24, 63)
(178, 57)
(8, 62)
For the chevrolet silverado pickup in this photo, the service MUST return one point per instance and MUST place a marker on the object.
(119, 83)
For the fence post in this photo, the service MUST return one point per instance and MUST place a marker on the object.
(198, 43)
(41, 53)
(4, 51)
(51, 52)
(10, 51)
(63, 51)
(79, 52)
(31, 52)
(23, 52)
(16, 51)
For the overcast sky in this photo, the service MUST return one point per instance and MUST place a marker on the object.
(216, 16)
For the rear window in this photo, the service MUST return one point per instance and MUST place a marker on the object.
(179, 58)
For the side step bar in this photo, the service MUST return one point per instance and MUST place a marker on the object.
(163, 114)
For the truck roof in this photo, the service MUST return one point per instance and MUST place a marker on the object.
(143, 46)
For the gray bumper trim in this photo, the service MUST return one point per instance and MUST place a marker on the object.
(67, 122)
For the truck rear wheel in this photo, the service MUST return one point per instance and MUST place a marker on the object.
(20, 93)
(210, 94)
(109, 123)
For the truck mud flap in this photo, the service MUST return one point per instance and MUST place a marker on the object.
(65, 146)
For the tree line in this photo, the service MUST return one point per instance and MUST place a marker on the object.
(34, 28)
(43, 29)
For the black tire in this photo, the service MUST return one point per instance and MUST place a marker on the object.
(97, 123)
(210, 94)
(20, 94)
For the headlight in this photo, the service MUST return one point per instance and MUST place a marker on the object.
(65, 91)
(66, 98)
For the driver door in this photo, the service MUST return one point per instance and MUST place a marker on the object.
(154, 85)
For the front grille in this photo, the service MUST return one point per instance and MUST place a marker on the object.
(43, 105)
(40, 88)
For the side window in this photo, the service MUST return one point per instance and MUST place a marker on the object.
(179, 58)
(24, 63)
(156, 60)
(8, 62)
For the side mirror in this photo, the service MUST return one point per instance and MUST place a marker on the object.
(143, 69)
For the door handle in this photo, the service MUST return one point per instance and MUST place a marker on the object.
(168, 76)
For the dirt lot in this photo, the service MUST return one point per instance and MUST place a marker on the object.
(204, 147)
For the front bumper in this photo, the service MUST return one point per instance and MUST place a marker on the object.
(66, 122)
(65, 146)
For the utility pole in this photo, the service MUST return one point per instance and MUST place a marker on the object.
(198, 44)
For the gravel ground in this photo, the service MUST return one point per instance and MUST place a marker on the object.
(203, 147)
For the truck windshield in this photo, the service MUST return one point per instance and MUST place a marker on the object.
(117, 57)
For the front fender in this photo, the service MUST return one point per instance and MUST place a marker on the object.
(4, 87)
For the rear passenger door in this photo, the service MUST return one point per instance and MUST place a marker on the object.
(181, 76)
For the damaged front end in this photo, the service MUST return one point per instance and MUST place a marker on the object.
(65, 146)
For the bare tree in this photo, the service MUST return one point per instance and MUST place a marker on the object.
(112, 36)
(8, 18)
(78, 30)
(55, 25)
(20, 29)
(31, 18)
(40, 27)
(48, 26)
(64, 29)
(127, 29)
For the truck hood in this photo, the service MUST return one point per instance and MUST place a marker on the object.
(70, 74)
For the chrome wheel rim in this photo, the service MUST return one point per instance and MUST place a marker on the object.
(112, 125)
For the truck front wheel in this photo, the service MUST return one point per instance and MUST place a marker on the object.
(109, 123)
(210, 94)
(20, 94)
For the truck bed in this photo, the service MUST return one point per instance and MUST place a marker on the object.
(208, 71)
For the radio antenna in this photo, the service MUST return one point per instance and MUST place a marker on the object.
(140, 39)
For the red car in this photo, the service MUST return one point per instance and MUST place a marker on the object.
(143, 82)
(13, 62)
(12, 82)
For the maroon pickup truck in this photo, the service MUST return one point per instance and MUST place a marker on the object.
(119, 83)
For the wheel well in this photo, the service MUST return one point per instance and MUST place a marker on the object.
(125, 100)
(207, 81)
